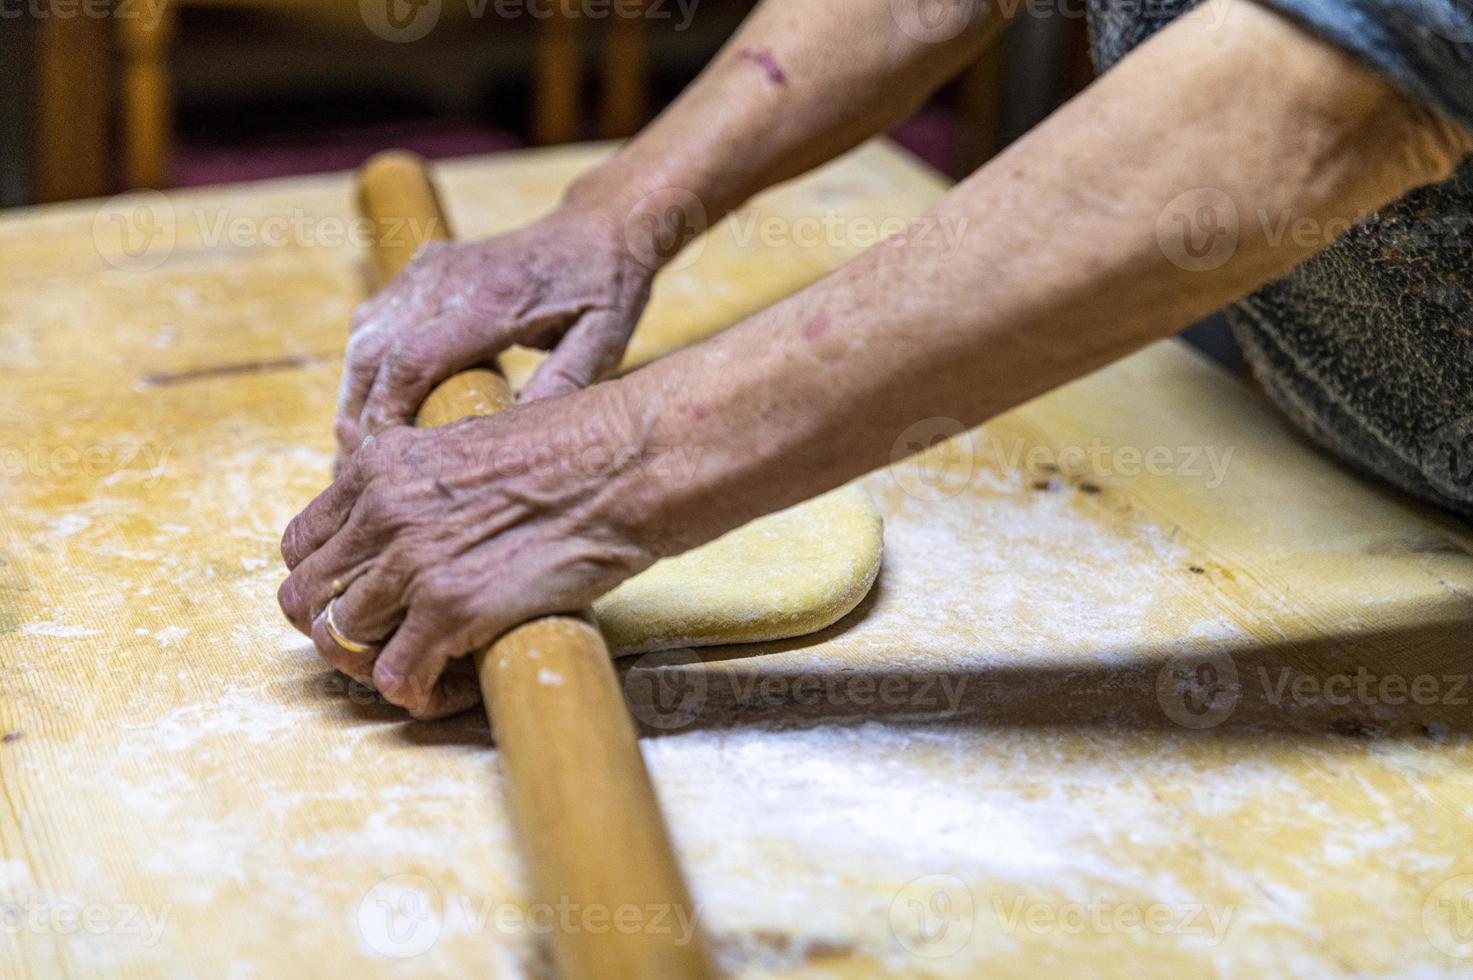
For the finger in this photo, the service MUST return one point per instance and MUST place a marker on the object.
(358, 666)
(452, 696)
(400, 289)
(372, 605)
(409, 669)
(309, 587)
(323, 517)
(411, 367)
(590, 349)
(360, 367)
(379, 303)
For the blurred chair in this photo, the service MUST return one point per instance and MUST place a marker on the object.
(94, 74)
(557, 85)
(70, 58)
(77, 88)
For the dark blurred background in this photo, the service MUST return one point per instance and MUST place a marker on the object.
(107, 95)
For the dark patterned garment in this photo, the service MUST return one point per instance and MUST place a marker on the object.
(1368, 346)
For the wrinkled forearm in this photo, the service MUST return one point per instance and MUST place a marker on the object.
(1069, 257)
(801, 82)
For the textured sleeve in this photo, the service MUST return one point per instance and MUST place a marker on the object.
(1423, 47)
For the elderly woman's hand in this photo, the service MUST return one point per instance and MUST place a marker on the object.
(566, 283)
(442, 539)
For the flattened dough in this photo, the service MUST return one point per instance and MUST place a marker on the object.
(786, 574)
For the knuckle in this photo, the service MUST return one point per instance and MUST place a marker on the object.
(375, 504)
(390, 448)
(429, 252)
(362, 348)
(367, 461)
(398, 688)
(441, 592)
(411, 361)
(379, 456)
(362, 314)
(345, 430)
(336, 657)
(289, 597)
(291, 543)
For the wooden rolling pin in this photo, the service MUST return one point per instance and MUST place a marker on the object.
(581, 798)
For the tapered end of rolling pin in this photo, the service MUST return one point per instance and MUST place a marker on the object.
(582, 799)
(396, 196)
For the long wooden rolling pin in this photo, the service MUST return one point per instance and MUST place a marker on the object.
(581, 798)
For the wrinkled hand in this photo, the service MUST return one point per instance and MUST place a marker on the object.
(566, 283)
(445, 538)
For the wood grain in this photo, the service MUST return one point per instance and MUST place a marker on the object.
(989, 716)
(584, 806)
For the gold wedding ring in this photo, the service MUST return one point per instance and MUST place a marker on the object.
(352, 646)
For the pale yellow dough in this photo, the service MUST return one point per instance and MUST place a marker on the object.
(787, 574)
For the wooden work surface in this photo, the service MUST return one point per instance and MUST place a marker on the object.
(1025, 754)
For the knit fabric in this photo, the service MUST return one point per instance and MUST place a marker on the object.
(1368, 345)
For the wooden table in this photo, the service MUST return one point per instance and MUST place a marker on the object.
(1108, 708)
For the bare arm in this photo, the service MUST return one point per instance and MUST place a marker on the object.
(1071, 256)
(802, 81)
(1063, 267)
